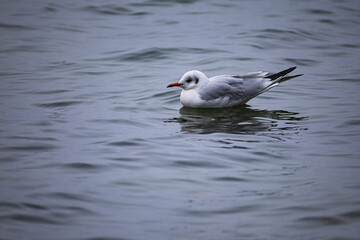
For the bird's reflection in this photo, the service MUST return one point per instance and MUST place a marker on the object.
(239, 120)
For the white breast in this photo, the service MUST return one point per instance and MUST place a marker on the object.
(190, 98)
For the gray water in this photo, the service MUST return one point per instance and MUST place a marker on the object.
(94, 146)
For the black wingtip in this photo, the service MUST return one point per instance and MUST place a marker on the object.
(281, 74)
(288, 78)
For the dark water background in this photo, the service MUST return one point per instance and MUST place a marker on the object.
(93, 145)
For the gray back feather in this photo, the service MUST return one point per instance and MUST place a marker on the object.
(233, 89)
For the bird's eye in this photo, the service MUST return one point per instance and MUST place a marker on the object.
(196, 80)
(188, 81)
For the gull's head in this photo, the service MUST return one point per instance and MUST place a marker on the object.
(190, 80)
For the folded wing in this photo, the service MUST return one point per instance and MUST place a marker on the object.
(234, 89)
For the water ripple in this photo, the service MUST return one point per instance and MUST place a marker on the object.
(285, 34)
(197, 163)
(302, 62)
(60, 104)
(318, 11)
(318, 221)
(15, 27)
(355, 214)
(135, 142)
(111, 9)
(108, 9)
(82, 166)
(32, 147)
(31, 219)
(242, 120)
(227, 210)
(230, 179)
(161, 3)
(163, 53)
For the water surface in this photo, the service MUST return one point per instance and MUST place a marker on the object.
(94, 146)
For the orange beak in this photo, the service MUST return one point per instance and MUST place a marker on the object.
(174, 85)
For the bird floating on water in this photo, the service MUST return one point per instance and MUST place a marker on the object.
(199, 91)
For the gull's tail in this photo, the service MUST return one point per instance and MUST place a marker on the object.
(280, 76)
(275, 79)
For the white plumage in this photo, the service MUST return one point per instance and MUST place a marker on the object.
(199, 91)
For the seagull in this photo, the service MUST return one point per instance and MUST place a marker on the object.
(199, 91)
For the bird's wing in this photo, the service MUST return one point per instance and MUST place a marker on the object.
(234, 88)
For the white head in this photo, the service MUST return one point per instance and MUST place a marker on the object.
(190, 80)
